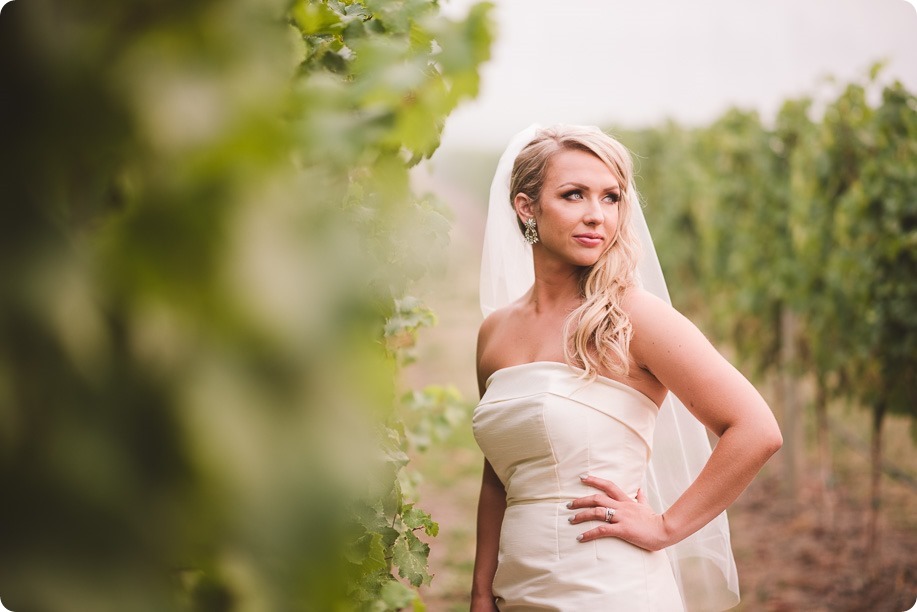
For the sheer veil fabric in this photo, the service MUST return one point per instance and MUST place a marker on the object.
(703, 563)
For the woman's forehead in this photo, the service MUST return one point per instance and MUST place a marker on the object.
(574, 165)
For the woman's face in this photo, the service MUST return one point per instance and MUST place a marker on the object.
(577, 213)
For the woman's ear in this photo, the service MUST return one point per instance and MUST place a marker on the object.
(524, 205)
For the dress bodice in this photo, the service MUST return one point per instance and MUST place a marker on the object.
(540, 425)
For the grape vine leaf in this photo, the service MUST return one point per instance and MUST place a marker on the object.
(410, 555)
(415, 518)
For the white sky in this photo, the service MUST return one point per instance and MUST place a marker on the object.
(633, 63)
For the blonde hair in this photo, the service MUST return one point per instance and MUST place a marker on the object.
(598, 332)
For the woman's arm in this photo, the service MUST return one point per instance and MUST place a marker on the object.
(491, 506)
(491, 503)
(683, 360)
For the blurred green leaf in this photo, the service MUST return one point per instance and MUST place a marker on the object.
(315, 17)
(397, 596)
(208, 230)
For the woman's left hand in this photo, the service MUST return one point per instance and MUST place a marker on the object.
(633, 521)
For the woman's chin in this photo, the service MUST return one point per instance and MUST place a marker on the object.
(586, 261)
(581, 258)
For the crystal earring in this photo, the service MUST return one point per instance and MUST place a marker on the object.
(531, 234)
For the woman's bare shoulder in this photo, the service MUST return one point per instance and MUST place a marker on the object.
(645, 308)
(492, 323)
(656, 324)
(638, 299)
(490, 329)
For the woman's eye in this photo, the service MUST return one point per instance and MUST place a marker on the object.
(573, 195)
(613, 197)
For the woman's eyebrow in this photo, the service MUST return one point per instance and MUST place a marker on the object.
(582, 186)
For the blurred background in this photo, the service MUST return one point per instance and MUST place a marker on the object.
(239, 252)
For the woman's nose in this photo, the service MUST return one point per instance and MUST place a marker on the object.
(594, 213)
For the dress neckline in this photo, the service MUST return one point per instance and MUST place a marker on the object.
(609, 381)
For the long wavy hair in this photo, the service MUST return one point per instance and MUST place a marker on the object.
(598, 332)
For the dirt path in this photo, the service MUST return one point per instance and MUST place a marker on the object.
(790, 559)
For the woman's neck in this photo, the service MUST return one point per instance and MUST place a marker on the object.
(556, 288)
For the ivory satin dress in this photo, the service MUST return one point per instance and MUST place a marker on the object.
(541, 426)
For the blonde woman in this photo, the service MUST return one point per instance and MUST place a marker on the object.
(600, 490)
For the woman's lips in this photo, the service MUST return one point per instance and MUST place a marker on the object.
(589, 240)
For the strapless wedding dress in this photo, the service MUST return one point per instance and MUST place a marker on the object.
(541, 426)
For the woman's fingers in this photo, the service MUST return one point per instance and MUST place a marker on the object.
(599, 513)
(610, 488)
(590, 501)
(637, 528)
(608, 530)
(631, 519)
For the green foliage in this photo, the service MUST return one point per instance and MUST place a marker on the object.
(207, 235)
(401, 328)
(432, 414)
(878, 254)
(816, 218)
(671, 181)
(748, 236)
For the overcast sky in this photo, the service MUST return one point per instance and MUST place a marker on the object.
(632, 63)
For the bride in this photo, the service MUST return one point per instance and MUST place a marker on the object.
(599, 489)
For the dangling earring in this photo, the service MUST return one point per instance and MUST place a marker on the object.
(531, 234)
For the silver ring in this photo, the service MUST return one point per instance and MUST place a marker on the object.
(609, 514)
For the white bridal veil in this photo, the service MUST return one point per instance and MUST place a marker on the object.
(703, 563)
